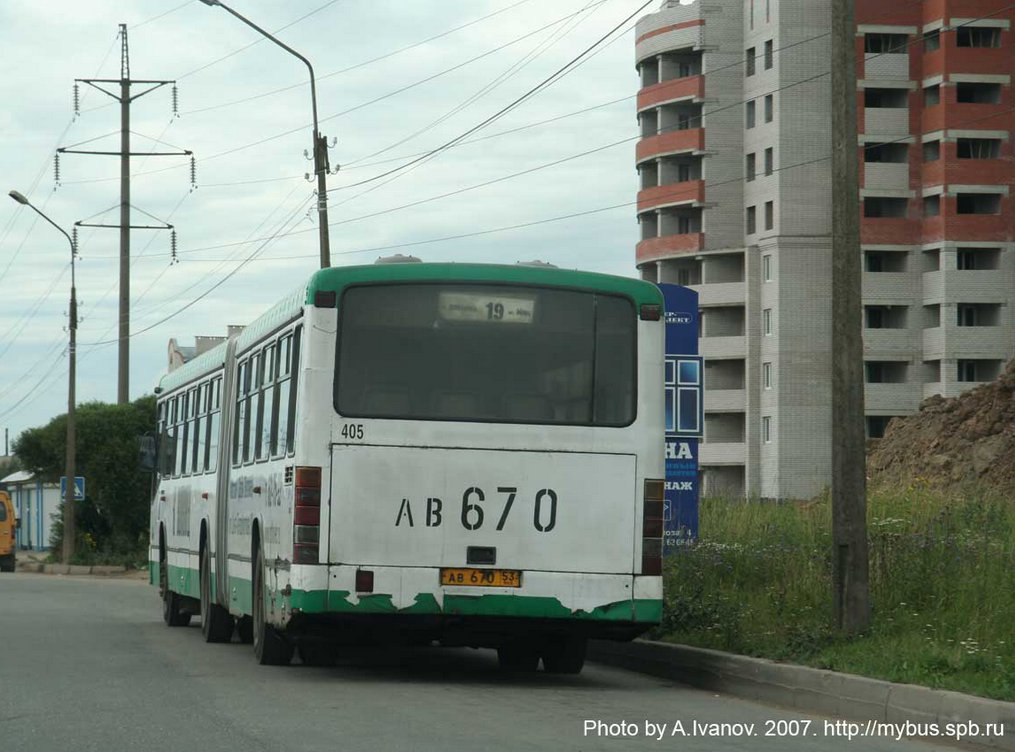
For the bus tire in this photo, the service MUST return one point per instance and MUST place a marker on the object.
(172, 613)
(270, 647)
(216, 622)
(517, 658)
(7, 563)
(565, 655)
(245, 629)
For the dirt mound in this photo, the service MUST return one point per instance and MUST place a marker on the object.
(954, 442)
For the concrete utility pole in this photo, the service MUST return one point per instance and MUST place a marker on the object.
(849, 492)
(69, 526)
(320, 153)
(125, 98)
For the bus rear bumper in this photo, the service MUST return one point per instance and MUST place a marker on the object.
(612, 606)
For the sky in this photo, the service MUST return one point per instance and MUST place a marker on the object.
(395, 79)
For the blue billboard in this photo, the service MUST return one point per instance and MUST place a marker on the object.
(685, 416)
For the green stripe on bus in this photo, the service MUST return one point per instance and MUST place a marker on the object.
(336, 279)
(184, 580)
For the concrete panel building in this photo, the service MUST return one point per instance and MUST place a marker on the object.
(735, 201)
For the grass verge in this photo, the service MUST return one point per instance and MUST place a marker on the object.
(759, 582)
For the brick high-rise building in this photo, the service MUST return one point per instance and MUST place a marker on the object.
(735, 201)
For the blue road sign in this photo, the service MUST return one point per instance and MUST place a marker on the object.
(79, 487)
(685, 416)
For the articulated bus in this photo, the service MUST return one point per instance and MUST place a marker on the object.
(418, 452)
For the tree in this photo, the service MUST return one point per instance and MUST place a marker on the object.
(115, 511)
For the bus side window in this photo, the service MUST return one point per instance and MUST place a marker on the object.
(265, 403)
(257, 407)
(239, 424)
(294, 370)
(280, 411)
(197, 435)
(214, 424)
(182, 434)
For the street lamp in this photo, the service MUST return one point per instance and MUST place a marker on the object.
(68, 501)
(321, 165)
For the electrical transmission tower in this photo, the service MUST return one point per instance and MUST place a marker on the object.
(125, 97)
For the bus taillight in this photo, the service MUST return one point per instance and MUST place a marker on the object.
(307, 516)
(652, 528)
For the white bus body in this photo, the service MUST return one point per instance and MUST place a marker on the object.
(464, 453)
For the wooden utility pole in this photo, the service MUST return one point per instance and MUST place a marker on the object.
(849, 479)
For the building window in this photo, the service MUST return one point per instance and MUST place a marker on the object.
(750, 113)
(766, 268)
(878, 207)
(766, 375)
(683, 172)
(752, 220)
(751, 166)
(769, 55)
(769, 161)
(882, 98)
(891, 152)
(931, 151)
(768, 108)
(967, 315)
(766, 321)
(749, 60)
(967, 370)
(884, 43)
(875, 317)
(766, 429)
(977, 36)
(877, 425)
(977, 259)
(977, 93)
(683, 225)
(768, 10)
(751, 12)
(931, 95)
(932, 206)
(769, 215)
(932, 41)
(978, 203)
(978, 148)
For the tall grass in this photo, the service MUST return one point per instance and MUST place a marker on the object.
(942, 576)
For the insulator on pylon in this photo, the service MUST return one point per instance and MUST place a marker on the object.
(56, 169)
(176, 101)
(77, 100)
(172, 247)
(193, 172)
(74, 239)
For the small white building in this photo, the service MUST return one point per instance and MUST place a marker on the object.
(36, 504)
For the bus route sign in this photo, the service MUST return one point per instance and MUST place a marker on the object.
(684, 385)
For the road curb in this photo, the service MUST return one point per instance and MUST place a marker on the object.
(71, 569)
(811, 690)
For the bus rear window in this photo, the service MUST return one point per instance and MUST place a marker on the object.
(487, 353)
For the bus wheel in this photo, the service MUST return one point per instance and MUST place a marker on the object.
(171, 611)
(565, 655)
(270, 648)
(216, 622)
(245, 629)
(321, 654)
(517, 658)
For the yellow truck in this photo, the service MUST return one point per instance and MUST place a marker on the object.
(8, 525)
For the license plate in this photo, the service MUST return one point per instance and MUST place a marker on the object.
(481, 577)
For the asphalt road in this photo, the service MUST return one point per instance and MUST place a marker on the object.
(87, 664)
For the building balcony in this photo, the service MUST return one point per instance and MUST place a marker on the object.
(934, 343)
(720, 294)
(893, 398)
(886, 175)
(888, 287)
(894, 66)
(725, 400)
(893, 344)
(690, 87)
(933, 287)
(954, 116)
(973, 342)
(722, 453)
(667, 246)
(966, 59)
(953, 286)
(886, 121)
(686, 192)
(969, 227)
(723, 347)
(688, 140)
(889, 231)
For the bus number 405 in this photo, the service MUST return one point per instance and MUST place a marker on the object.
(473, 514)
